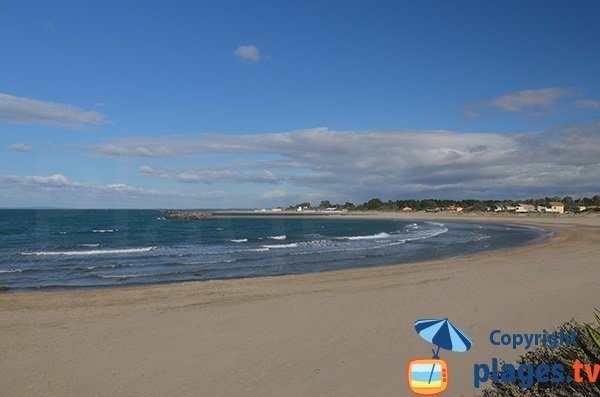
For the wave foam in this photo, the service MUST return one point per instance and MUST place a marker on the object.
(282, 237)
(292, 245)
(11, 271)
(367, 237)
(239, 240)
(90, 252)
(104, 230)
(430, 234)
(256, 249)
(124, 276)
(399, 242)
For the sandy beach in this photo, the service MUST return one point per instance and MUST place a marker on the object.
(345, 333)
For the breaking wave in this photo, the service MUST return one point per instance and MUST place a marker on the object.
(90, 252)
(275, 246)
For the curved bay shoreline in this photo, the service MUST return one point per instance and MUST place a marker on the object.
(347, 332)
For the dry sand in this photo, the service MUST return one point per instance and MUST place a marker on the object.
(345, 333)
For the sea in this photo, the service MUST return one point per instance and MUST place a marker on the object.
(44, 250)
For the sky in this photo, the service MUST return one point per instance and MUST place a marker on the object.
(239, 104)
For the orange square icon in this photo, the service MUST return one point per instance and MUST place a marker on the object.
(427, 376)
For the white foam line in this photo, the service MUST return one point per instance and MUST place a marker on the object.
(11, 271)
(367, 237)
(90, 252)
(292, 245)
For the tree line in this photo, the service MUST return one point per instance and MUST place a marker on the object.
(376, 204)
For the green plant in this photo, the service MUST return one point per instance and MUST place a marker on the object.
(594, 337)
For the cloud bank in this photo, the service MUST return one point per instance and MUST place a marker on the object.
(59, 183)
(21, 110)
(390, 164)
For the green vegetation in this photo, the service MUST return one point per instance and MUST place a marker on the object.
(586, 351)
(594, 337)
(468, 205)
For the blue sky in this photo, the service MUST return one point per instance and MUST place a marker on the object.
(251, 104)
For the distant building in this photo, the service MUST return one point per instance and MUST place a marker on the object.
(453, 208)
(407, 209)
(523, 208)
(556, 207)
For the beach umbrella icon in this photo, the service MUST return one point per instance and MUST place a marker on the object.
(443, 334)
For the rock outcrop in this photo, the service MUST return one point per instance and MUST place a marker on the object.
(188, 215)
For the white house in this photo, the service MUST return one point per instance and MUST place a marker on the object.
(556, 207)
(524, 208)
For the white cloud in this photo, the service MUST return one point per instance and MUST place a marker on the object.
(247, 53)
(587, 104)
(264, 176)
(19, 147)
(212, 176)
(122, 188)
(147, 170)
(361, 164)
(212, 195)
(30, 111)
(52, 181)
(279, 194)
(204, 176)
(519, 101)
(59, 182)
(58, 189)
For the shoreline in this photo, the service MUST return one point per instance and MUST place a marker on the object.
(357, 215)
(345, 332)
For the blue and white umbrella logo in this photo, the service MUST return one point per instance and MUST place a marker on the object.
(443, 334)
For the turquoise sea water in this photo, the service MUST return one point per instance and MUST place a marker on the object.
(79, 249)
